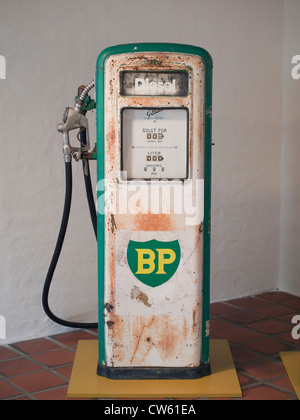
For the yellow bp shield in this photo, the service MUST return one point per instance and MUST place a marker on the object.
(153, 262)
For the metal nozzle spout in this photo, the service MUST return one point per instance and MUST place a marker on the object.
(84, 94)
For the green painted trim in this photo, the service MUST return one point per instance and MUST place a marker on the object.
(155, 47)
(99, 86)
(207, 215)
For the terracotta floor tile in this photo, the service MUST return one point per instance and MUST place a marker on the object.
(66, 371)
(284, 383)
(264, 369)
(244, 380)
(271, 326)
(276, 296)
(243, 317)
(220, 308)
(242, 355)
(288, 337)
(18, 367)
(267, 346)
(250, 303)
(294, 303)
(265, 393)
(274, 311)
(7, 391)
(55, 358)
(37, 381)
(71, 339)
(6, 354)
(58, 394)
(287, 318)
(237, 335)
(217, 325)
(35, 346)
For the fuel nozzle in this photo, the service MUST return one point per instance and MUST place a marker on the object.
(72, 120)
(75, 118)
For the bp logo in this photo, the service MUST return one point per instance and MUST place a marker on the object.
(153, 262)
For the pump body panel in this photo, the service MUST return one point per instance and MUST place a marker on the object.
(153, 116)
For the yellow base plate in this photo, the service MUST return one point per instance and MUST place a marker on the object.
(85, 383)
(291, 361)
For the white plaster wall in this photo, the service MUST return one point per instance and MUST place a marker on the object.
(290, 203)
(51, 48)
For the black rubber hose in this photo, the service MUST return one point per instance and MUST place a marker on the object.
(56, 255)
(89, 194)
(88, 184)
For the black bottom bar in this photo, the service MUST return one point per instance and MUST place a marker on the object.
(154, 373)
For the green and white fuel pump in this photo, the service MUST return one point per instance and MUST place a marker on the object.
(153, 154)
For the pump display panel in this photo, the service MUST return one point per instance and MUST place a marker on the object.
(155, 143)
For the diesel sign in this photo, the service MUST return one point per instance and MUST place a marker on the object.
(155, 83)
(145, 87)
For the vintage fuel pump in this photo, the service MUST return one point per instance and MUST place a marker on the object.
(153, 208)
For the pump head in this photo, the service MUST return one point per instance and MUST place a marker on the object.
(74, 118)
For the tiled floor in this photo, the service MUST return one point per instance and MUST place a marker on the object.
(258, 328)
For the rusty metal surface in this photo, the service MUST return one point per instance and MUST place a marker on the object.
(152, 326)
